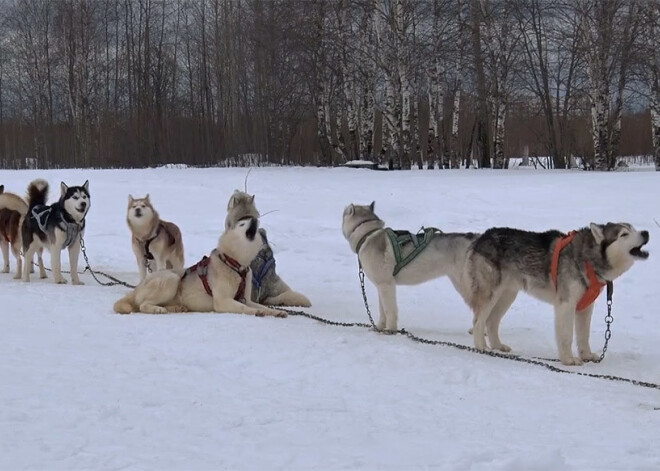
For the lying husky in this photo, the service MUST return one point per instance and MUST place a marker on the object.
(267, 287)
(444, 255)
(219, 282)
(55, 227)
(157, 244)
(565, 271)
(12, 209)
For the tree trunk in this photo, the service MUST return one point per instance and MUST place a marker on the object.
(655, 121)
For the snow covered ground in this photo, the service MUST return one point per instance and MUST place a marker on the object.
(83, 388)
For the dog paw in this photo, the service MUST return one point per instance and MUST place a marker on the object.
(43, 277)
(572, 361)
(61, 281)
(281, 314)
(78, 282)
(260, 313)
(502, 348)
(589, 356)
(5, 270)
(159, 310)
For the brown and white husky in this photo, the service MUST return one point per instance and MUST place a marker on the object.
(157, 244)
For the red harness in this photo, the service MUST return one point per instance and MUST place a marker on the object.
(201, 268)
(595, 285)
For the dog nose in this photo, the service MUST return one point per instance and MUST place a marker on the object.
(138, 213)
(83, 205)
(645, 236)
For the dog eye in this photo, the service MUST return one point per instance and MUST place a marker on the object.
(625, 234)
(75, 197)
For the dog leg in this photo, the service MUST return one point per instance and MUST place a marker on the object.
(15, 248)
(4, 245)
(254, 309)
(564, 320)
(288, 298)
(482, 311)
(387, 295)
(27, 255)
(74, 252)
(382, 316)
(157, 291)
(56, 264)
(582, 326)
(493, 323)
(40, 262)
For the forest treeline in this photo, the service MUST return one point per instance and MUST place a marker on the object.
(428, 83)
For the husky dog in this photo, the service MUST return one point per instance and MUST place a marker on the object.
(219, 282)
(12, 210)
(55, 227)
(445, 255)
(267, 287)
(565, 271)
(157, 244)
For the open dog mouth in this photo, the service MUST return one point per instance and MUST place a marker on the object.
(637, 252)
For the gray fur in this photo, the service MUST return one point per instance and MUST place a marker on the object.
(273, 291)
(444, 256)
(504, 261)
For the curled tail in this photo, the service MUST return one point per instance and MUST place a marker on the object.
(13, 202)
(37, 192)
(126, 305)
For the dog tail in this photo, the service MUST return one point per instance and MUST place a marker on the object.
(13, 202)
(37, 192)
(126, 304)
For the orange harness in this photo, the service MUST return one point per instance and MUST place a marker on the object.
(595, 285)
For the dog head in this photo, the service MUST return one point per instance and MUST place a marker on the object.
(356, 215)
(241, 242)
(140, 211)
(240, 205)
(620, 246)
(75, 200)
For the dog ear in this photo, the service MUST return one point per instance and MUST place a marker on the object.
(597, 232)
(372, 206)
(146, 198)
(350, 210)
(63, 188)
(86, 186)
(251, 199)
(130, 199)
(232, 202)
(2, 188)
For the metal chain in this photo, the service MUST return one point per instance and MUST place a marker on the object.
(113, 281)
(147, 265)
(532, 361)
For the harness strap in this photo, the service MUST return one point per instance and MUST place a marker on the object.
(241, 270)
(363, 239)
(258, 278)
(201, 268)
(147, 253)
(595, 285)
(399, 238)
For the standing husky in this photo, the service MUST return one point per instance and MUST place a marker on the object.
(565, 271)
(267, 287)
(445, 255)
(219, 282)
(55, 227)
(12, 210)
(157, 244)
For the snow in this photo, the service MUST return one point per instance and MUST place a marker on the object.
(83, 388)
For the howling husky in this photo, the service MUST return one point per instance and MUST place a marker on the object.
(567, 271)
(444, 255)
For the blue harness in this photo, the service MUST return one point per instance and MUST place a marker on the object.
(258, 278)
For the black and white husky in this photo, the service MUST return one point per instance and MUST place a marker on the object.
(55, 227)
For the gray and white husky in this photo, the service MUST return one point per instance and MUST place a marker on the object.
(445, 255)
(267, 287)
(55, 227)
(504, 261)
